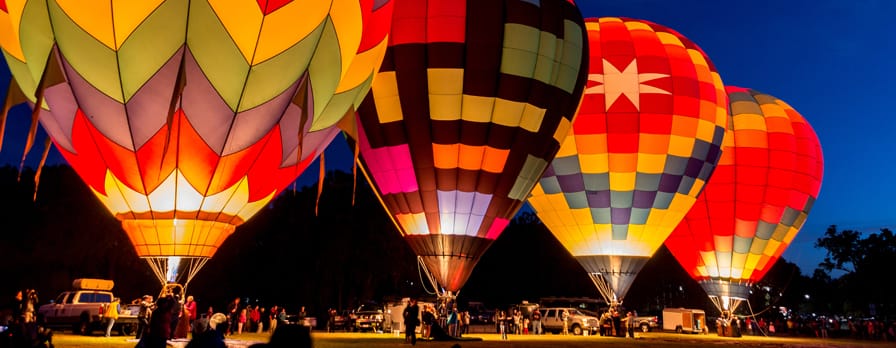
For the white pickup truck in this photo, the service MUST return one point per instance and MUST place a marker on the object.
(83, 309)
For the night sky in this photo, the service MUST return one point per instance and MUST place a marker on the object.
(826, 58)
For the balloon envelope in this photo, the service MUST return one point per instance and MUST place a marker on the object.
(470, 105)
(646, 138)
(757, 200)
(187, 117)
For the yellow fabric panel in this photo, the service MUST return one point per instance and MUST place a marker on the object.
(494, 159)
(669, 39)
(637, 25)
(282, 28)
(622, 181)
(363, 65)
(9, 29)
(532, 118)
(508, 113)
(594, 164)
(568, 147)
(604, 20)
(238, 200)
(582, 216)
(129, 14)
(750, 264)
(681, 146)
(251, 208)
(413, 223)
(749, 121)
(737, 264)
(705, 130)
(445, 156)
(772, 110)
(346, 17)
(656, 217)
(703, 66)
(591, 144)
(160, 198)
(477, 109)
(562, 130)
(445, 107)
(652, 143)
(771, 247)
(698, 185)
(623, 163)
(469, 157)
(701, 270)
(386, 98)
(94, 18)
(537, 194)
(445, 81)
(650, 163)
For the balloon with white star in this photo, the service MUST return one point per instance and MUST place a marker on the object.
(646, 139)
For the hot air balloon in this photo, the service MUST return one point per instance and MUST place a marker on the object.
(187, 117)
(758, 199)
(646, 138)
(468, 108)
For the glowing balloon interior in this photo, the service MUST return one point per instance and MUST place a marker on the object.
(645, 141)
(758, 199)
(187, 117)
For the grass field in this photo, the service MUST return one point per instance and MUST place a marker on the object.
(651, 339)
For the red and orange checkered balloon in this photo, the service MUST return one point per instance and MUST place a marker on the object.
(646, 138)
(757, 200)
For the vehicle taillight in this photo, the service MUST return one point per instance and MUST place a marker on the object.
(102, 309)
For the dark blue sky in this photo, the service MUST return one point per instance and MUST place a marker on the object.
(826, 58)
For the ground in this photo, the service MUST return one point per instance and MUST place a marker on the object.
(650, 339)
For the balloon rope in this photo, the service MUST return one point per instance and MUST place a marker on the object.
(429, 277)
(602, 287)
(761, 329)
(159, 267)
(196, 263)
(378, 197)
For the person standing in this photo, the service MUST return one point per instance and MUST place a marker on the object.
(301, 316)
(410, 315)
(272, 318)
(190, 310)
(564, 316)
(112, 310)
(502, 324)
(144, 315)
(536, 322)
(233, 315)
(428, 319)
(630, 324)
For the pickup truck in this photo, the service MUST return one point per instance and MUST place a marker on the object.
(83, 309)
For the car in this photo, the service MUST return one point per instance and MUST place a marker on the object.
(579, 321)
(83, 309)
(648, 323)
(369, 317)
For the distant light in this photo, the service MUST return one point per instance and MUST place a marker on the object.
(807, 297)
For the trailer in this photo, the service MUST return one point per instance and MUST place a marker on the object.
(684, 320)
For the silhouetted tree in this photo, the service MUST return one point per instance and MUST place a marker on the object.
(868, 263)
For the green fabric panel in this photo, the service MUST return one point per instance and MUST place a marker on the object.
(216, 53)
(619, 232)
(621, 199)
(37, 42)
(571, 61)
(22, 75)
(600, 215)
(270, 78)
(742, 245)
(518, 58)
(576, 200)
(638, 216)
(757, 246)
(546, 66)
(340, 104)
(94, 61)
(325, 69)
(529, 175)
(151, 45)
(597, 182)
